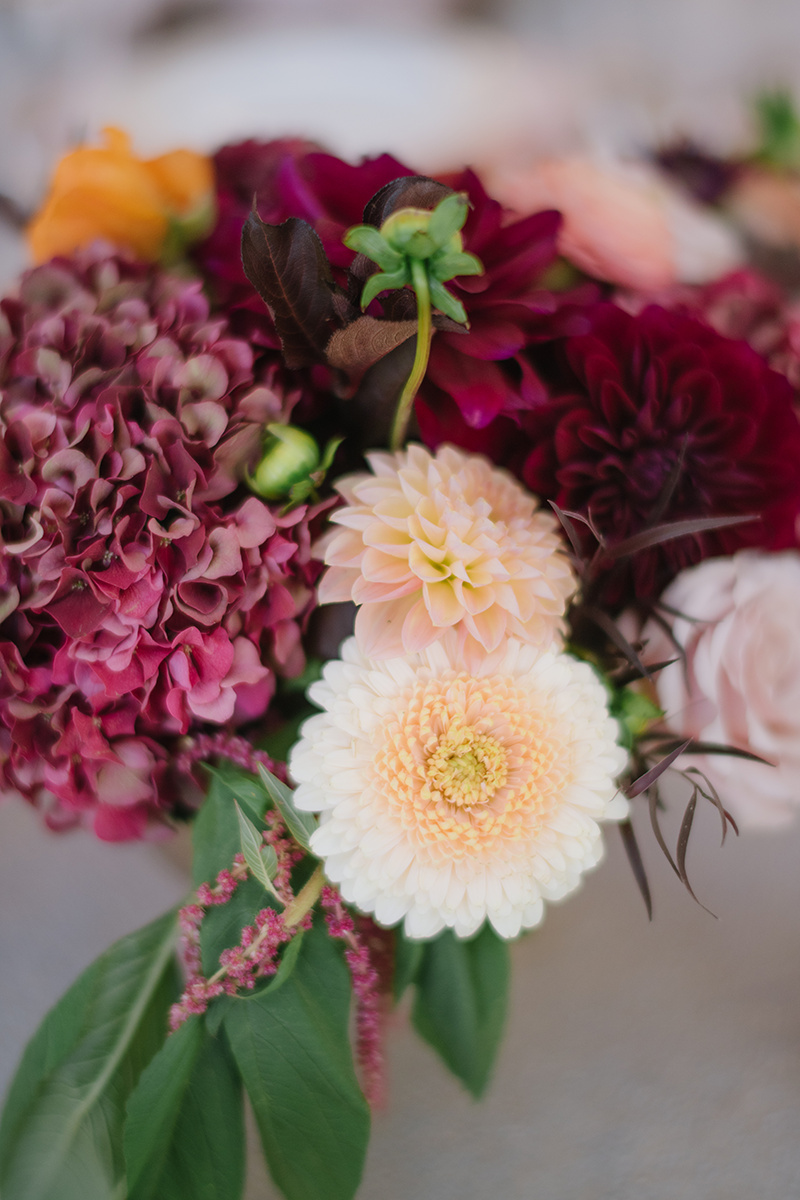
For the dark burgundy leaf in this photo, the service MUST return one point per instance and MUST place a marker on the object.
(670, 484)
(365, 341)
(648, 779)
(683, 842)
(371, 411)
(637, 866)
(653, 805)
(289, 269)
(614, 633)
(657, 534)
(410, 191)
(570, 530)
(713, 796)
(693, 747)
(630, 675)
(586, 519)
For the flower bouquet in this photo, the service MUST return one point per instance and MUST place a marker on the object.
(399, 541)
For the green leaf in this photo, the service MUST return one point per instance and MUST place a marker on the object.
(279, 741)
(780, 129)
(61, 1137)
(447, 303)
(299, 684)
(384, 281)
(365, 239)
(408, 957)
(301, 825)
(461, 1002)
(292, 1046)
(325, 463)
(261, 860)
(447, 264)
(448, 217)
(222, 1005)
(184, 1136)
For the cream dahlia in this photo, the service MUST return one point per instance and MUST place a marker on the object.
(433, 541)
(448, 797)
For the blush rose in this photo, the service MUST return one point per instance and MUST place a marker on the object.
(740, 681)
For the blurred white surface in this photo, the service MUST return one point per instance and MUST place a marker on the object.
(651, 1060)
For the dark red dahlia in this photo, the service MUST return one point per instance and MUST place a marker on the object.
(482, 370)
(285, 178)
(658, 418)
(743, 304)
(146, 594)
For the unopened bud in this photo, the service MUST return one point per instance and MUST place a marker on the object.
(290, 456)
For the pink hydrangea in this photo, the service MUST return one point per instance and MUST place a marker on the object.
(145, 594)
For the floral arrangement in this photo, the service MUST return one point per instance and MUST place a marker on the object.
(402, 541)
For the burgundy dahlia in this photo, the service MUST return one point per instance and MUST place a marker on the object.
(146, 594)
(285, 178)
(658, 418)
(482, 370)
(743, 304)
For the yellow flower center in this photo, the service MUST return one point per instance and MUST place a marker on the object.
(465, 767)
(466, 763)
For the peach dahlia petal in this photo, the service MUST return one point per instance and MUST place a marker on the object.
(461, 538)
(447, 798)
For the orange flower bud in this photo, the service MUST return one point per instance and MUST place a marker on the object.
(106, 192)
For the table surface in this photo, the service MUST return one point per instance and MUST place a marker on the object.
(651, 1060)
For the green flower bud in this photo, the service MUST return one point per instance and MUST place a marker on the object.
(290, 457)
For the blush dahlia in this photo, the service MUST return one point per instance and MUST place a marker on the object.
(145, 594)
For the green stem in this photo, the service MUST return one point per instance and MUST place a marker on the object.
(419, 279)
(293, 914)
(305, 899)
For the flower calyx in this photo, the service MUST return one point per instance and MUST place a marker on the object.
(411, 238)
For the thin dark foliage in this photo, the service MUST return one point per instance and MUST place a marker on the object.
(625, 675)
(634, 854)
(647, 780)
(612, 631)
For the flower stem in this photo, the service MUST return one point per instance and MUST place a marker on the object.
(419, 278)
(292, 915)
(305, 899)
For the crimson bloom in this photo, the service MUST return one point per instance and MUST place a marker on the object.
(482, 370)
(284, 178)
(658, 418)
(146, 594)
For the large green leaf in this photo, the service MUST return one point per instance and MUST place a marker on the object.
(184, 1136)
(292, 1046)
(461, 1002)
(62, 1131)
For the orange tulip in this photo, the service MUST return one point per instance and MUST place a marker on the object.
(139, 204)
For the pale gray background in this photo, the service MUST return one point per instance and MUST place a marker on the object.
(642, 1061)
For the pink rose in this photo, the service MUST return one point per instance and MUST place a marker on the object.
(622, 221)
(740, 683)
